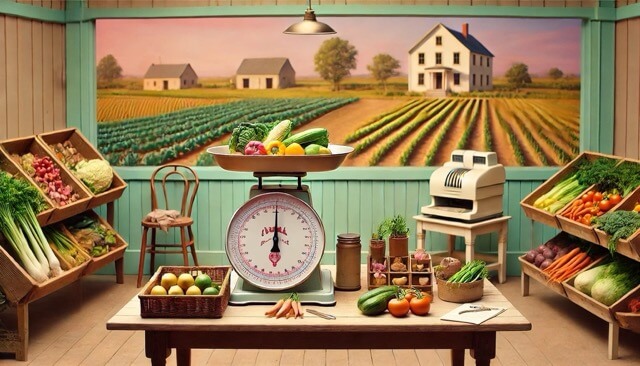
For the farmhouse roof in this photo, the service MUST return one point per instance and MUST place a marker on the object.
(262, 66)
(470, 42)
(166, 71)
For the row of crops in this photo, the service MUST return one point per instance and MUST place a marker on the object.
(158, 139)
(119, 107)
(523, 132)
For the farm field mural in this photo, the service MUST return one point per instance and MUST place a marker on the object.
(450, 84)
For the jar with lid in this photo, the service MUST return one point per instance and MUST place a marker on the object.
(348, 261)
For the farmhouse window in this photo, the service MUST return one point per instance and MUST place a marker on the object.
(480, 60)
(456, 58)
(480, 80)
(456, 78)
(438, 41)
(184, 82)
(474, 80)
(421, 58)
(438, 58)
(488, 59)
(154, 83)
(487, 80)
(245, 83)
(421, 79)
(474, 60)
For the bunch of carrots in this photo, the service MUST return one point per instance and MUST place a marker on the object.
(568, 265)
(288, 307)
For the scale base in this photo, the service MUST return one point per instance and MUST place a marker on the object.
(325, 296)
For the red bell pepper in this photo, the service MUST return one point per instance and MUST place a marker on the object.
(255, 148)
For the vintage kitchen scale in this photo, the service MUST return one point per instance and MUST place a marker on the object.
(275, 240)
(468, 188)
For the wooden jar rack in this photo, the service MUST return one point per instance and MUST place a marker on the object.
(17, 285)
(616, 315)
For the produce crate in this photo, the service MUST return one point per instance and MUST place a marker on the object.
(115, 253)
(629, 321)
(19, 286)
(607, 313)
(89, 152)
(629, 247)
(186, 306)
(9, 166)
(31, 144)
(63, 262)
(543, 216)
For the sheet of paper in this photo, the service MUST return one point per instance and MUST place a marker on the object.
(472, 313)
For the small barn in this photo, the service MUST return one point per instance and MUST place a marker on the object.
(170, 77)
(265, 73)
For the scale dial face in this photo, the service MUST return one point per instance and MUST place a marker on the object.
(275, 241)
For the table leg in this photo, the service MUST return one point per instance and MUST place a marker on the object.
(183, 356)
(457, 357)
(451, 244)
(502, 253)
(484, 348)
(524, 284)
(419, 236)
(155, 347)
(469, 251)
(119, 263)
(22, 312)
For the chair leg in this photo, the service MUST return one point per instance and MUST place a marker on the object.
(193, 247)
(183, 242)
(143, 250)
(152, 252)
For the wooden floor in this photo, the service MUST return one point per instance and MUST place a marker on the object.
(68, 328)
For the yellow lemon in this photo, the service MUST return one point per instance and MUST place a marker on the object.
(176, 290)
(185, 281)
(194, 290)
(168, 279)
(158, 290)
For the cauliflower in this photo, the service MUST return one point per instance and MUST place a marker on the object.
(96, 174)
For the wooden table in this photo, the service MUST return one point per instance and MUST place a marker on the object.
(469, 231)
(247, 327)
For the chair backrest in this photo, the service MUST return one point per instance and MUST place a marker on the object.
(186, 183)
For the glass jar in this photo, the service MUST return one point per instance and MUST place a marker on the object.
(348, 262)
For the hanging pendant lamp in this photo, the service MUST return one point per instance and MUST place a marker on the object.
(309, 25)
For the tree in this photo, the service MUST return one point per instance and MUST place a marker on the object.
(555, 73)
(518, 75)
(335, 60)
(383, 67)
(108, 69)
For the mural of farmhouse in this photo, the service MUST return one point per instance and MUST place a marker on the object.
(440, 90)
(170, 77)
(265, 73)
(446, 60)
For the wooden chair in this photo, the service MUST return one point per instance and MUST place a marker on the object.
(182, 179)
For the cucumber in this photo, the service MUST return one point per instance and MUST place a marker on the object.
(375, 301)
(305, 138)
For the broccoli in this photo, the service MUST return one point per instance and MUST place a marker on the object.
(618, 224)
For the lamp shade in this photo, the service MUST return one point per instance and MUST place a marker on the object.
(309, 25)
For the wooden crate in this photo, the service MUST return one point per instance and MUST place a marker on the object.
(630, 246)
(89, 152)
(536, 273)
(115, 253)
(8, 165)
(186, 306)
(543, 216)
(628, 320)
(63, 262)
(32, 145)
(412, 274)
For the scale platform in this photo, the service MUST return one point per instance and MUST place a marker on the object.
(321, 293)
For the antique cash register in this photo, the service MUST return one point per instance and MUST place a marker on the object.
(469, 187)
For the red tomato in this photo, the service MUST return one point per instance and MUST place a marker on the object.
(591, 193)
(585, 198)
(420, 306)
(604, 205)
(615, 199)
(398, 307)
(409, 295)
(597, 197)
(588, 204)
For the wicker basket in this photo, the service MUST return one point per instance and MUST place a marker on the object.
(460, 292)
(186, 306)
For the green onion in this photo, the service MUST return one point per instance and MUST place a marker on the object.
(470, 272)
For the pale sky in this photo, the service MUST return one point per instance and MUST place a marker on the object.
(216, 46)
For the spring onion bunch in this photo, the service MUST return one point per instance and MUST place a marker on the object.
(19, 201)
(470, 272)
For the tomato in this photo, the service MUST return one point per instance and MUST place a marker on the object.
(409, 295)
(636, 208)
(420, 306)
(398, 307)
(604, 205)
(588, 204)
(615, 199)
(585, 198)
(597, 196)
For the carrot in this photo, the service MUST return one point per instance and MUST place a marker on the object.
(294, 307)
(286, 306)
(577, 268)
(300, 310)
(291, 312)
(560, 261)
(274, 309)
(570, 266)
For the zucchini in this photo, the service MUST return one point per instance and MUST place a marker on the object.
(316, 135)
(375, 301)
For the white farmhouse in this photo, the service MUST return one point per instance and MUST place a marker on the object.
(445, 61)
(170, 77)
(265, 73)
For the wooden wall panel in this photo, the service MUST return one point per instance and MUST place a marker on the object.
(32, 87)
(51, 4)
(627, 89)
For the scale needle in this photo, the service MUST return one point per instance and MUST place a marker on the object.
(274, 255)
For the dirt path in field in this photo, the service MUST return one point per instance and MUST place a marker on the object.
(339, 123)
(453, 134)
(530, 156)
(476, 137)
(500, 140)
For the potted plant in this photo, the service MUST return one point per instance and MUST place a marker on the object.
(398, 237)
(378, 245)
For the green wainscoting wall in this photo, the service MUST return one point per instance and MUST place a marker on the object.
(347, 200)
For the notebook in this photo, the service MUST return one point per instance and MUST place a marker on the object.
(472, 313)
